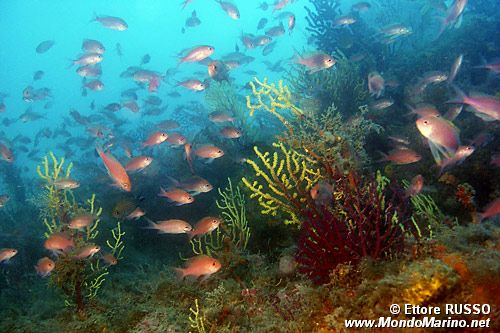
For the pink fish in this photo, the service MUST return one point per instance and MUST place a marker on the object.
(485, 107)
(180, 197)
(154, 83)
(376, 84)
(188, 149)
(416, 186)
(401, 156)
(116, 171)
(136, 214)
(193, 84)
(316, 62)
(291, 23)
(176, 139)
(172, 226)
(198, 54)
(442, 135)
(230, 9)
(424, 110)
(58, 242)
(209, 152)
(6, 255)
(460, 155)
(492, 209)
(279, 5)
(138, 163)
(81, 221)
(6, 153)
(230, 132)
(199, 266)
(87, 252)
(205, 226)
(45, 266)
(155, 139)
(453, 14)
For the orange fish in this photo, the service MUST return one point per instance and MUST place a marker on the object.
(6, 255)
(402, 156)
(109, 259)
(178, 196)
(199, 266)
(45, 266)
(116, 171)
(136, 214)
(205, 226)
(416, 186)
(81, 221)
(154, 83)
(87, 251)
(209, 152)
(58, 242)
(6, 153)
(230, 132)
(492, 209)
(138, 163)
(172, 226)
(155, 139)
(176, 139)
(188, 148)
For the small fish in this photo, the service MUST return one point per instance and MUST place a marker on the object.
(492, 209)
(172, 226)
(322, 193)
(493, 66)
(131, 105)
(94, 85)
(376, 84)
(230, 132)
(381, 104)
(453, 14)
(192, 21)
(154, 83)
(194, 185)
(276, 31)
(6, 153)
(58, 242)
(44, 46)
(38, 75)
(460, 155)
(402, 156)
(416, 186)
(205, 226)
(81, 221)
(87, 252)
(88, 59)
(200, 266)
(220, 117)
(424, 110)
(263, 5)
(109, 259)
(209, 152)
(455, 68)
(89, 71)
(92, 46)
(291, 23)
(188, 149)
(111, 22)
(176, 139)
(168, 124)
(116, 171)
(6, 255)
(4, 198)
(138, 163)
(155, 139)
(180, 197)
(262, 23)
(193, 84)
(441, 134)
(145, 59)
(361, 6)
(316, 62)
(45, 266)
(198, 53)
(218, 71)
(345, 21)
(484, 106)
(230, 9)
(136, 214)
(279, 5)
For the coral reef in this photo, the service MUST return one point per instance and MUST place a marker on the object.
(286, 178)
(367, 219)
(273, 99)
(79, 276)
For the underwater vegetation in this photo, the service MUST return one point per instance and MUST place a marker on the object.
(71, 232)
(319, 166)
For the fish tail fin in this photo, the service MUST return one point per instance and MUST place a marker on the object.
(174, 181)
(383, 158)
(459, 98)
(477, 218)
(151, 224)
(180, 272)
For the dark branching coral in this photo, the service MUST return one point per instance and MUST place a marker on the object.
(367, 219)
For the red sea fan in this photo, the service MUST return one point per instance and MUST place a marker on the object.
(366, 220)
